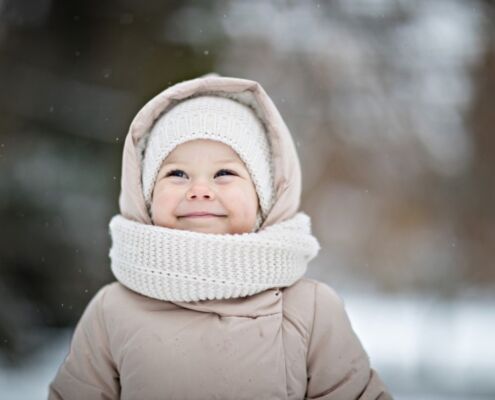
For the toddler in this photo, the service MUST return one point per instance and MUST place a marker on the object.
(209, 252)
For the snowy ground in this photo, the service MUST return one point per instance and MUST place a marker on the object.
(427, 348)
(31, 381)
(424, 349)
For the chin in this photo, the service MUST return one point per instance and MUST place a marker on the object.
(206, 230)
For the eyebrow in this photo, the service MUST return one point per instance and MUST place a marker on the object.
(225, 161)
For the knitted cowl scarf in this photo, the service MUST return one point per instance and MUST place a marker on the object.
(185, 266)
(179, 265)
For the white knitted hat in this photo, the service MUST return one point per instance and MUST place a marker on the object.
(215, 118)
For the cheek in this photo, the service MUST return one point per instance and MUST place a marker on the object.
(164, 199)
(242, 198)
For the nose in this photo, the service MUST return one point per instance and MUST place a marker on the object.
(200, 191)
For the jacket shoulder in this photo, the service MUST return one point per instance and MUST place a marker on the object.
(109, 291)
(301, 299)
(304, 298)
(117, 299)
(307, 289)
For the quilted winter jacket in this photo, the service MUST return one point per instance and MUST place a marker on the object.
(284, 343)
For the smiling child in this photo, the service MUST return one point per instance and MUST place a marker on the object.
(209, 252)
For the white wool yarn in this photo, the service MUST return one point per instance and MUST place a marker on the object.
(215, 118)
(178, 265)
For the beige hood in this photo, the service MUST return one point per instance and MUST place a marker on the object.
(287, 170)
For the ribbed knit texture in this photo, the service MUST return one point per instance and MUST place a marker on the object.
(215, 118)
(178, 265)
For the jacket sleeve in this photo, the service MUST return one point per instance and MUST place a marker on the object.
(338, 366)
(88, 371)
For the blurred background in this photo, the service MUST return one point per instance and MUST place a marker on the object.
(390, 103)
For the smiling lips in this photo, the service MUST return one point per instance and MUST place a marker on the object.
(200, 214)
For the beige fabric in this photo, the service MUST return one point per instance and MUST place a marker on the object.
(290, 343)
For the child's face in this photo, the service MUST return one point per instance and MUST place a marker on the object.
(204, 176)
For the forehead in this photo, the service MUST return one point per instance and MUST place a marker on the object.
(202, 150)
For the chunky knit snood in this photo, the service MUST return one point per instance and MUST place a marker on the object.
(178, 265)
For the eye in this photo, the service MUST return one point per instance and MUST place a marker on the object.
(175, 172)
(223, 172)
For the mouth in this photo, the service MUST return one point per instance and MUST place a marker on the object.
(201, 215)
